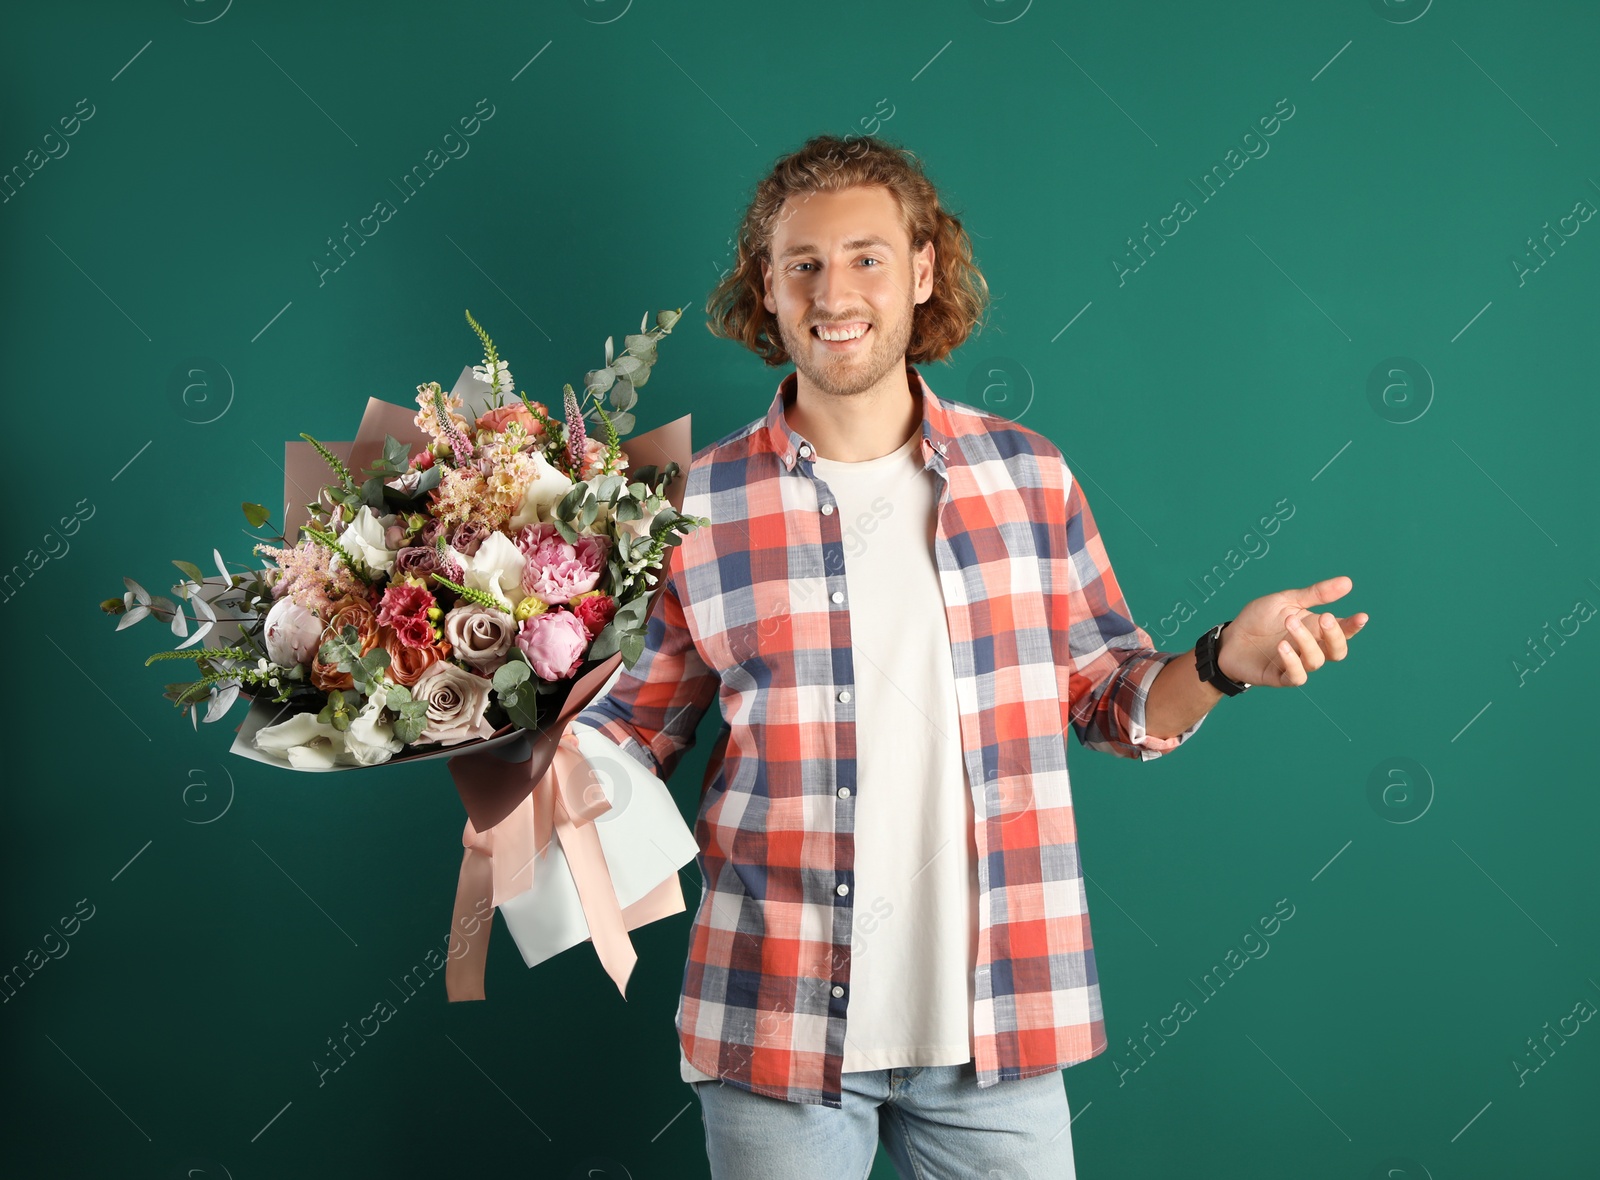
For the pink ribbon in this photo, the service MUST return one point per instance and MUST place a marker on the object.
(499, 863)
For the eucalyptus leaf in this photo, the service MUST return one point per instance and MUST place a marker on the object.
(508, 677)
(641, 346)
(606, 643)
(624, 397)
(568, 504)
(524, 712)
(256, 514)
(622, 422)
(191, 570)
(607, 486)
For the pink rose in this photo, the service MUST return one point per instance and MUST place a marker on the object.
(498, 420)
(554, 643)
(556, 571)
(594, 459)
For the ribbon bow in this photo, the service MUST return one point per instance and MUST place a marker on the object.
(499, 862)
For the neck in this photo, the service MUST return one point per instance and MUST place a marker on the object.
(855, 427)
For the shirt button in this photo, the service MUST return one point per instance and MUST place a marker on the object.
(837, 596)
(827, 510)
(837, 990)
(805, 451)
(842, 889)
(845, 695)
(844, 792)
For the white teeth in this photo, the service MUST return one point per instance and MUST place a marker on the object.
(838, 336)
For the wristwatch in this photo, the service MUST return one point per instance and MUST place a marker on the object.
(1205, 663)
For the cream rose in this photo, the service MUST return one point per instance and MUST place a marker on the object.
(456, 702)
(479, 635)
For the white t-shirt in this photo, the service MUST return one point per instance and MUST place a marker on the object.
(914, 950)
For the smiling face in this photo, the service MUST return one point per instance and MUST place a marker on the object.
(843, 261)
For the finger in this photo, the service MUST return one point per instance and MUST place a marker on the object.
(1291, 673)
(1305, 641)
(1325, 591)
(1332, 636)
(1353, 623)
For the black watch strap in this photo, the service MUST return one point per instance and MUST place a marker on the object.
(1205, 663)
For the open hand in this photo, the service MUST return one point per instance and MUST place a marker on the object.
(1279, 641)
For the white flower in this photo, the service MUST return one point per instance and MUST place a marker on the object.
(370, 739)
(544, 492)
(495, 568)
(292, 633)
(306, 742)
(487, 372)
(405, 484)
(364, 537)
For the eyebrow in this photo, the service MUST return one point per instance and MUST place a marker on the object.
(863, 243)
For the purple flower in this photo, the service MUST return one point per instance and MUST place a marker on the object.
(468, 536)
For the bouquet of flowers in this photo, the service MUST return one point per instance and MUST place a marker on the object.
(470, 576)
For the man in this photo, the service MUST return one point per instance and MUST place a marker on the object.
(901, 603)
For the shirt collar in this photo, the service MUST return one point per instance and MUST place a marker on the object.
(938, 444)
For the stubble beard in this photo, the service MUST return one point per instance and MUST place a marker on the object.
(844, 376)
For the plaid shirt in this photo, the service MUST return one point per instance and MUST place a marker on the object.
(1041, 639)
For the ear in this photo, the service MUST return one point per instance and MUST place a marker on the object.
(922, 271)
(767, 299)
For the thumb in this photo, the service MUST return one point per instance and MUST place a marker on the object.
(1327, 590)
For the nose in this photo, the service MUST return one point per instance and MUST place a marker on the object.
(836, 292)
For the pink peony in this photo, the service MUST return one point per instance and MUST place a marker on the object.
(556, 571)
(554, 643)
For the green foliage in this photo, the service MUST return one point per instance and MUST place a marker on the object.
(346, 480)
(340, 711)
(344, 652)
(515, 687)
(411, 713)
(471, 593)
(623, 376)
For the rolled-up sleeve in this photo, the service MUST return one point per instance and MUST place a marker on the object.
(1112, 660)
(652, 709)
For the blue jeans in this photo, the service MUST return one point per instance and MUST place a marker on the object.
(933, 1120)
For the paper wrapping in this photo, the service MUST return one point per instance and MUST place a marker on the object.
(546, 840)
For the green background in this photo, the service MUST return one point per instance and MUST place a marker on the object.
(242, 915)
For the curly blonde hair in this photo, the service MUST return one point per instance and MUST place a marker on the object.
(827, 163)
